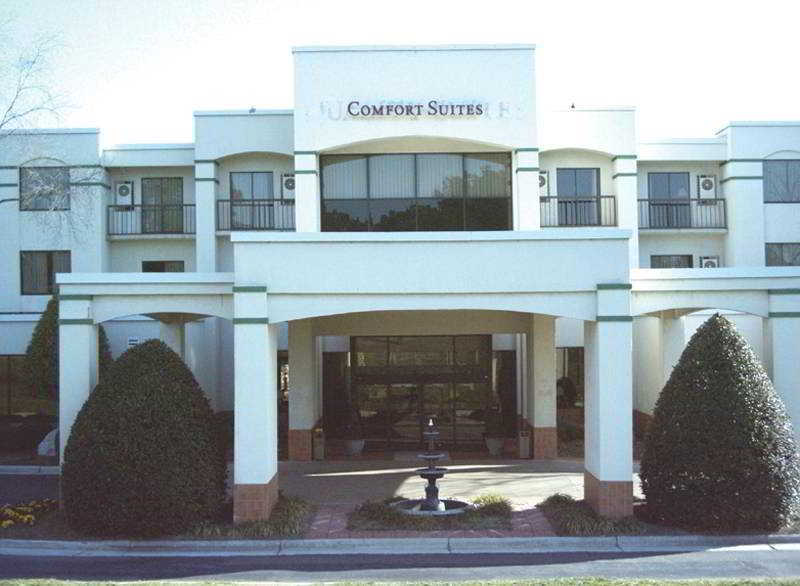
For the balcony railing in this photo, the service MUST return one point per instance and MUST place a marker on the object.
(667, 214)
(151, 219)
(600, 210)
(255, 214)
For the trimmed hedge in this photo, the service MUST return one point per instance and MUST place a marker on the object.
(144, 457)
(720, 454)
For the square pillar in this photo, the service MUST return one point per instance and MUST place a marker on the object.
(173, 335)
(673, 341)
(625, 181)
(526, 198)
(306, 195)
(541, 404)
(608, 417)
(255, 444)
(205, 197)
(784, 332)
(303, 389)
(78, 362)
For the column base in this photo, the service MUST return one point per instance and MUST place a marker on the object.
(254, 502)
(545, 443)
(608, 498)
(300, 445)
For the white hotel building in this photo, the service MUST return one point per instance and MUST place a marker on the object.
(420, 241)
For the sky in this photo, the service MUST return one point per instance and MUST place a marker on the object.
(137, 69)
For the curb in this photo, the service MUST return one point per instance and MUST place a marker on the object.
(30, 470)
(402, 546)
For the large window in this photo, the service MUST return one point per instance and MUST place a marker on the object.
(43, 188)
(578, 191)
(416, 192)
(783, 254)
(668, 185)
(39, 268)
(669, 205)
(781, 181)
(162, 205)
(671, 261)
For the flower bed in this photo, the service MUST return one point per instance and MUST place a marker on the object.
(25, 513)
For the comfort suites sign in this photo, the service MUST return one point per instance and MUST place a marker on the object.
(431, 109)
(357, 109)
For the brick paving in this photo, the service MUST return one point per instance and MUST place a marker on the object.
(330, 522)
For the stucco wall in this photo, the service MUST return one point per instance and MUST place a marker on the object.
(696, 244)
(136, 174)
(127, 255)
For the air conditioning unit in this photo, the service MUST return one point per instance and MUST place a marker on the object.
(287, 186)
(709, 262)
(544, 184)
(707, 186)
(123, 191)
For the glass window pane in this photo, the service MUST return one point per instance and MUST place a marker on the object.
(391, 176)
(44, 188)
(262, 186)
(671, 261)
(241, 186)
(793, 181)
(345, 215)
(783, 254)
(658, 185)
(440, 176)
(679, 185)
(488, 175)
(775, 180)
(34, 272)
(61, 262)
(566, 183)
(371, 351)
(585, 182)
(172, 191)
(344, 177)
(489, 213)
(393, 214)
(441, 214)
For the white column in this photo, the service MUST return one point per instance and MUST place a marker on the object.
(78, 364)
(306, 194)
(255, 445)
(626, 193)
(784, 329)
(545, 438)
(673, 341)
(526, 199)
(173, 334)
(608, 417)
(302, 388)
(205, 197)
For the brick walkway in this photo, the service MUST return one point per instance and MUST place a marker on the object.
(330, 522)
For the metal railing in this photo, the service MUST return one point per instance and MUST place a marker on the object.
(667, 214)
(150, 219)
(255, 214)
(600, 210)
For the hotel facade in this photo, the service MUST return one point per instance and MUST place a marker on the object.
(413, 239)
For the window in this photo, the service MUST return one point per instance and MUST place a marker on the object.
(578, 204)
(43, 188)
(162, 205)
(407, 192)
(162, 266)
(38, 269)
(671, 261)
(256, 185)
(669, 205)
(783, 254)
(668, 185)
(781, 181)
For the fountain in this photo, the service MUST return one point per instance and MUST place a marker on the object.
(431, 504)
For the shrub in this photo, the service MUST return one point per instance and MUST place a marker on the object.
(143, 458)
(576, 518)
(40, 366)
(720, 453)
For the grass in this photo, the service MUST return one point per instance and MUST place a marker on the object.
(490, 512)
(569, 517)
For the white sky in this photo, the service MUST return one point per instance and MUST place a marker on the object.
(138, 68)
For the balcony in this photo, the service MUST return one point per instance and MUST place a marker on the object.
(681, 214)
(599, 210)
(255, 214)
(129, 220)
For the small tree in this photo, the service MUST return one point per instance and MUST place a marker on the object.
(720, 454)
(144, 456)
(40, 367)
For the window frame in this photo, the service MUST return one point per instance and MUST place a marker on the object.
(796, 199)
(766, 253)
(163, 263)
(67, 188)
(689, 256)
(51, 276)
(251, 173)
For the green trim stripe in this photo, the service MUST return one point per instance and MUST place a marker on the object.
(612, 286)
(75, 322)
(86, 166)
(305, 172)
(7, 167)
(527, 150)
(249, 289)
(784, 313)
(527, 169)
(207, 179)
(250, 320)
(615, 157)
(615, 175)
(74, 297)
(9, 184)
(743, 177)
(784, 291)
(89, 184)
(305, 152)
(625, 318)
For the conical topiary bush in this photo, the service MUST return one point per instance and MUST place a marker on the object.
(720, 454)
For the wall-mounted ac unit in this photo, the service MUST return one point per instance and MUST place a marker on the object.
(709, 262)
(544, 184)
(707, 186)
(123, 191)
(287, 186)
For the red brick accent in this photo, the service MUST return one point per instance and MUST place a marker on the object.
(545, 443)
(300, 447)
(254, 502)
(609, 498)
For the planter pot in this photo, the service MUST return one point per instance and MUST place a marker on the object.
(353, 447)
(495, 445)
